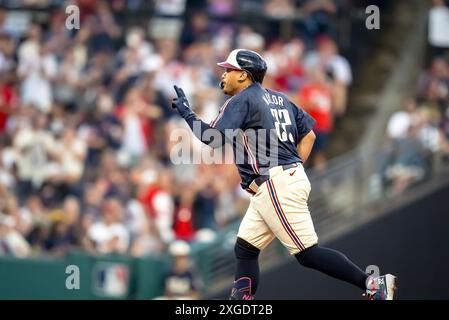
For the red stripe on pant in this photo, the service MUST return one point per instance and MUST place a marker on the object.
(277, 207)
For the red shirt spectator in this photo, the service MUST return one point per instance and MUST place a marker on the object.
(316, 99)
(158, 204)
(137, 117)
(8, 99)
(183, 226)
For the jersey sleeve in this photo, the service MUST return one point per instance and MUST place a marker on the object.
(233, 115)
(304, 122)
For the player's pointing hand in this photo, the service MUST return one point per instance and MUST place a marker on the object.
(181, 103)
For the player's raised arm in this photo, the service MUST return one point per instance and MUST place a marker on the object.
(197, 126)
(305, 145)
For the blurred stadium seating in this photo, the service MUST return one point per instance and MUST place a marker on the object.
(86, 176)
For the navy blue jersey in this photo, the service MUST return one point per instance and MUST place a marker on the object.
(265, 127)
(180, 284)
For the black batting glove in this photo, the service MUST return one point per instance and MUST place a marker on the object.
(181, 103)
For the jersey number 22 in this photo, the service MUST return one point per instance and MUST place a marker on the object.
(281, 121)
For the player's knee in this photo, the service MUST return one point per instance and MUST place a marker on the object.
(245, 250)
(305, 256)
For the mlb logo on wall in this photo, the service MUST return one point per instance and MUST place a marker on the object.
(110, 279)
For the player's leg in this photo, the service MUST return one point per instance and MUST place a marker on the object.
(337, 265)
(289, 218)
(253, 236)
(332, 263)
(246, 278)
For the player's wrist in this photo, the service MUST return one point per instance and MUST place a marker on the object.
(185, 112)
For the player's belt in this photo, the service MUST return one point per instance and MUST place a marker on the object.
(256, 183)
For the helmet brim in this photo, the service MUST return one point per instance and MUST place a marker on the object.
(227, 65)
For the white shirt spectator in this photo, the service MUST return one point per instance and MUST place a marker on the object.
(7, 158)
(16, 22)
(398, 125)
(72, 151)
(249, 39)
(11, 241)
(135, 216)
(134, 142)
(164, 207)
(341, 69)
(430, 137)
(103, 234)
(438, 35)
(170, 7)
(32, 148)
(36, 87)
(28, 51)
(139, 54)
(339, 66)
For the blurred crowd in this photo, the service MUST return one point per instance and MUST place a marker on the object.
(418, 135)
(86, 126)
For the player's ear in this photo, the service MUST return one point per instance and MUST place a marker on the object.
(243, 76)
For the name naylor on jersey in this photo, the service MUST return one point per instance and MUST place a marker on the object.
(273, 99)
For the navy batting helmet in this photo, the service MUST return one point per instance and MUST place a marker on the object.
(250, 61)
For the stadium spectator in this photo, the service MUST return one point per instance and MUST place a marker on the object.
(182, 281)
(433, 84)
(222, 7)
(147, 241)
(280, 9)
(316, 98)
(110, 235)
(183, 225)
(319, 16)
(249, 39)
(135, 116)
(7, 61)
(11, 241)
(400, 121)
(336, 67)
(438, 24)
(8, 99)
(37, 69)
(409, 162)
(197, 29)
(155, 195)
(82, 113)
(65, 232)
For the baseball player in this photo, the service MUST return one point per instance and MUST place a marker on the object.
(274, 138)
